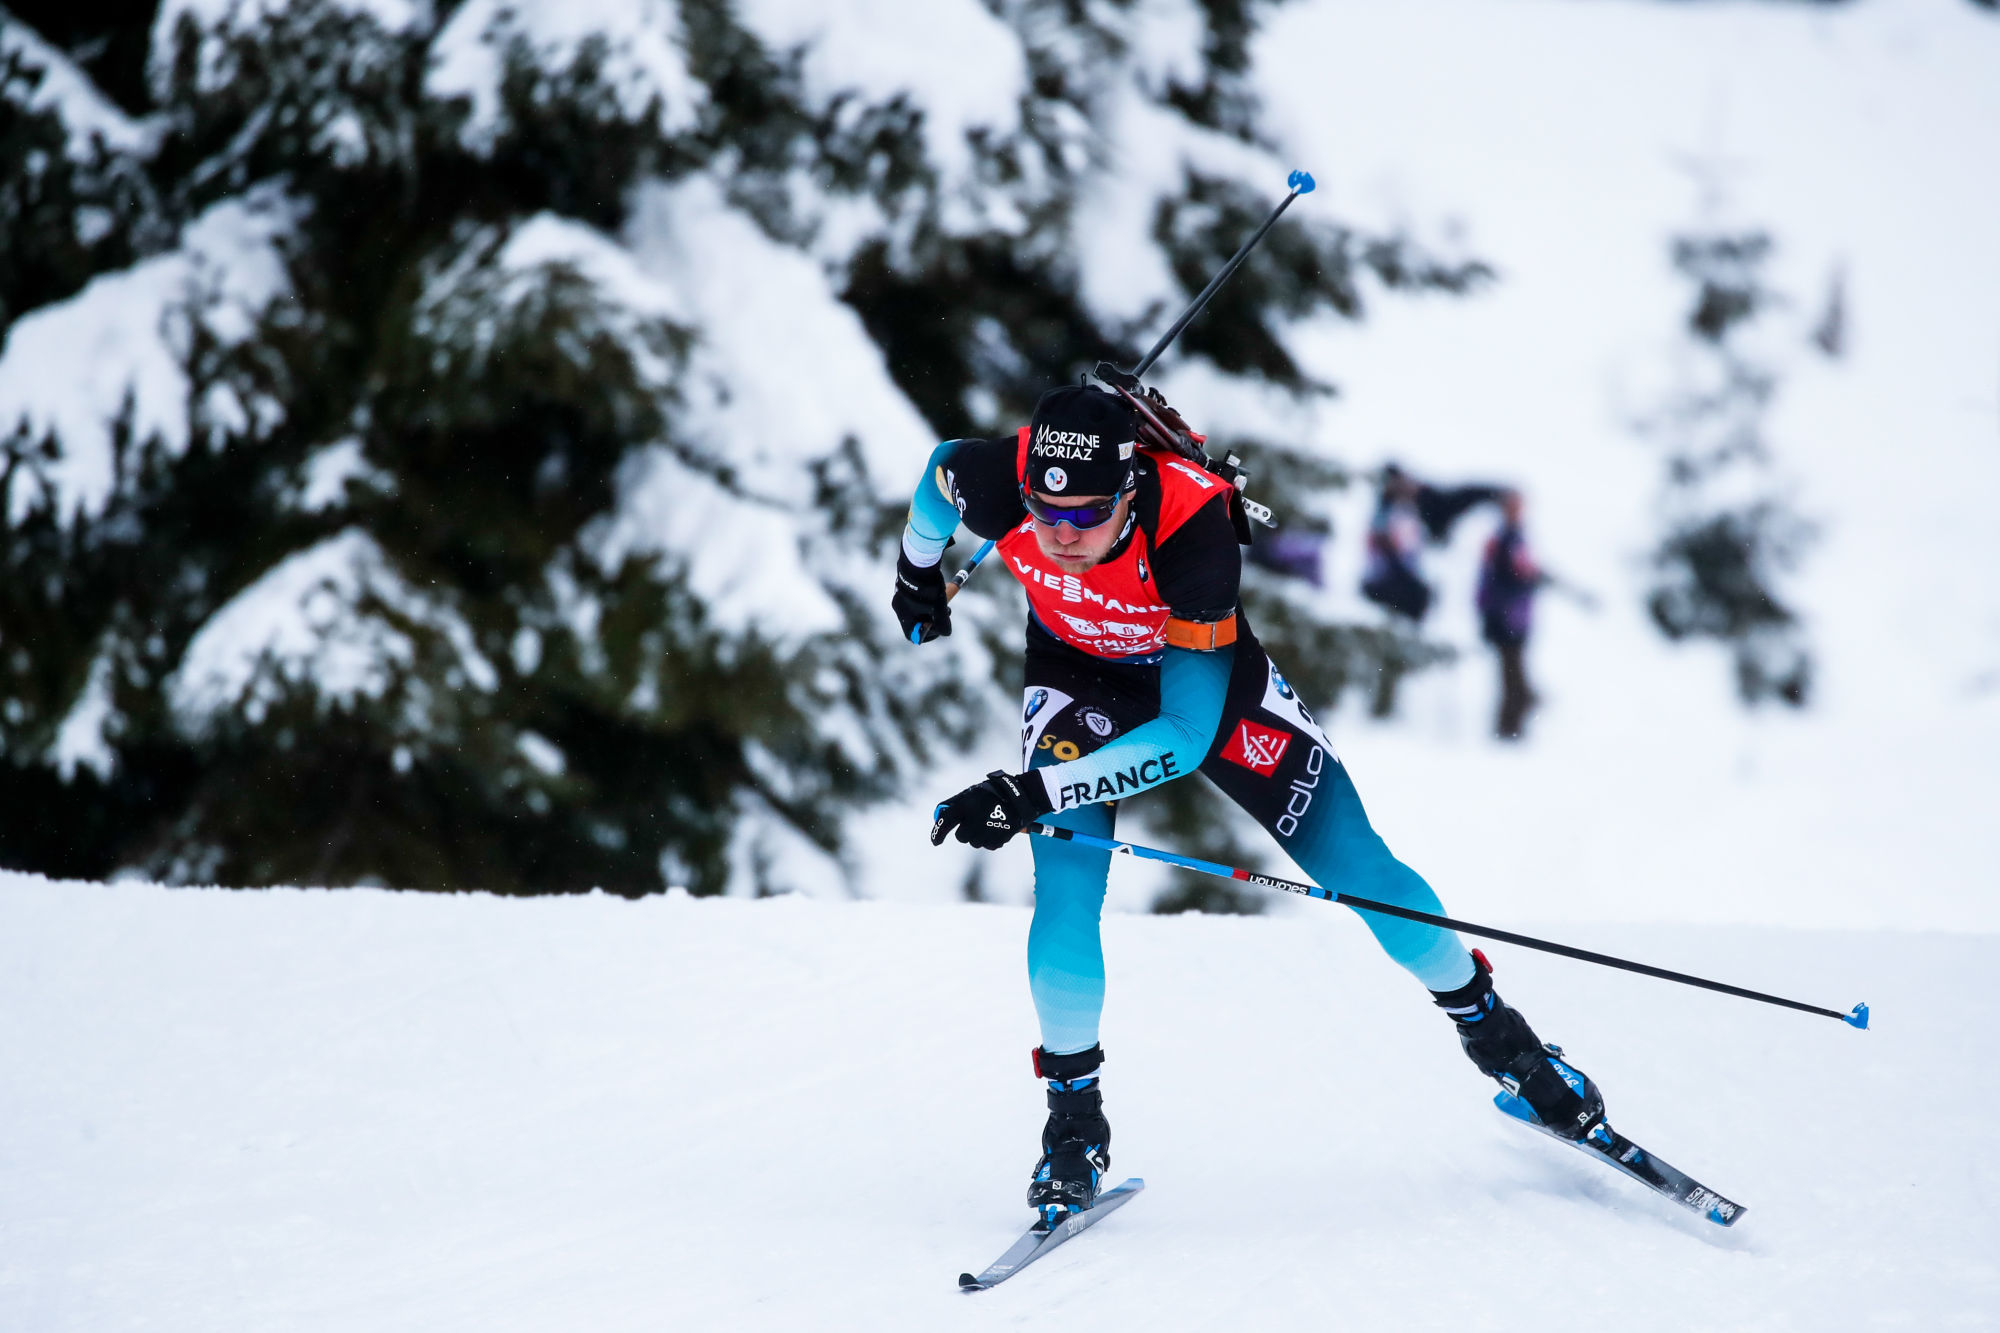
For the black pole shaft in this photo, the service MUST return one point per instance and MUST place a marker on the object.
(1530, 942)
(1213, 284)
(1858, 1018)
(1606, 960)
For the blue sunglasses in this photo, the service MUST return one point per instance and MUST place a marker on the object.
(1082, 517)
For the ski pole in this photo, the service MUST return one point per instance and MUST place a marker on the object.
(951, 588)
(1582, 596)
(1301, 183)
(1857, 1017)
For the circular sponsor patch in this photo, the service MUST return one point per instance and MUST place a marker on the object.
(1055, 479)
(1097, 722)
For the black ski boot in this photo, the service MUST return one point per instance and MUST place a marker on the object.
(1076, 1142)
(1507, 1050)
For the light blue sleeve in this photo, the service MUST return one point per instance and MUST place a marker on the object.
(933, 512)
(1193, 686)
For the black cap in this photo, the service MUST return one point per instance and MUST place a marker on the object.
(1080, 442)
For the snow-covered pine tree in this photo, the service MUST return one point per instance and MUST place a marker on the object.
(73, 202)
(1730, 534)
(486, 466)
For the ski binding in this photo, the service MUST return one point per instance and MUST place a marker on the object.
(1628, 1158)
(1039, 1239)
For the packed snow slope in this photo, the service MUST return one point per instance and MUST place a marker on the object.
(364, 1110)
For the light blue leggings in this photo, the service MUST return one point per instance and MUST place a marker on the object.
(1333, 842)
(1065, 950)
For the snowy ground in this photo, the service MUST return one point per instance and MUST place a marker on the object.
(361, 1110)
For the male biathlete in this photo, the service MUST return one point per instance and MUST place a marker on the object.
(1142, 669)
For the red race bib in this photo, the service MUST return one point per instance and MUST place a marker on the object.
(1112, 610)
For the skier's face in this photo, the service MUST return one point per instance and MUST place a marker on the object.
(1073, 550)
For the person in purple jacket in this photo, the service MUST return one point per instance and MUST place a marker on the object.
(1508, 581)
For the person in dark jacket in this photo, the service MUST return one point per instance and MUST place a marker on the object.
(1508, 580)
(1408, 513)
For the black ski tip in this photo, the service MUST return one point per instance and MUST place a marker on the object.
(967, 1282)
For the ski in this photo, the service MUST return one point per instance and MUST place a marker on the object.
(1037, 1242)
(1630, 1159)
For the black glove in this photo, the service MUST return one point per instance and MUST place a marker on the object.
(988, 813)
(920, 599)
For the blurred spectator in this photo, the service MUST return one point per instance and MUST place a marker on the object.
(1391, 575)
(1408, 512)
(1508, 579)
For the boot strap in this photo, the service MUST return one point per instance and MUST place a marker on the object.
(1086, 1102)
(1067, 1068)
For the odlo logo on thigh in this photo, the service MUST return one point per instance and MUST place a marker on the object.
(1300, 798)
(1257, 748)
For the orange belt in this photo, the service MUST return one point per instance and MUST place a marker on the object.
(1202, 638)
